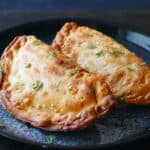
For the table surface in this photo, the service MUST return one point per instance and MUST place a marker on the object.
(136, 19)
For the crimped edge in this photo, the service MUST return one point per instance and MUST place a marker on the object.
(66, 29)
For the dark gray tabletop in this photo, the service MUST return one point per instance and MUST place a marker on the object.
(138, 19)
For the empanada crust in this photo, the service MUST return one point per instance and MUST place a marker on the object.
(41, 86)
(127, 75)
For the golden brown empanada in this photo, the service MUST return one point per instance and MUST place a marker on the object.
(46, 89)
(127, 75)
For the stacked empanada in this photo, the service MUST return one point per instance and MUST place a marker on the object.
(127, 75)
(73, 83)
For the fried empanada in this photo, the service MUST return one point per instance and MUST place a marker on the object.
(127, 75)
(41, 86)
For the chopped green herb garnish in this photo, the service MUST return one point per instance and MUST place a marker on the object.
(91, 46)
(120, 97)
(130, 69)
(36, 42)
(1, 69)
(99, 54)
(116, 53)
(54, 54)
(73, 73)
(2, 125)
(37, 85)
(51, 139)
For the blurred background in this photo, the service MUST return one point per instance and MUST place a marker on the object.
(53, 5)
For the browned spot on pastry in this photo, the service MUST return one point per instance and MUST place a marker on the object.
(73, 90)
(65, 64)
(45, 93)
(54, 70)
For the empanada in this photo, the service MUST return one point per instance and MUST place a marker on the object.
(46, 89)
(127, 75)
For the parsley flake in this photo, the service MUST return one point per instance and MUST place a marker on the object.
(36, 42)
(51, 139)
(91, 46)
(99, 54)
(54, 54)
(1, 69)
(121, 97)
(130, 69)
(73, 73)
(116, 53)
(37, 85)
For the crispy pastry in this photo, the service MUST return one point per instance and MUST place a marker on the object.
(127, 75)
(46, 89)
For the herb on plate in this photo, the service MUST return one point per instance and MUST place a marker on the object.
(121, 97)
(51, 139)
(2, 125)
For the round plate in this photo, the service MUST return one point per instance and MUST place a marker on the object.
(119, 126)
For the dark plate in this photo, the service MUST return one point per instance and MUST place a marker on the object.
(120, 126)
